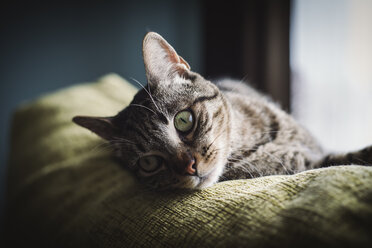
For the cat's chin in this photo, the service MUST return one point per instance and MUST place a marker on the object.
(211, 178)
(197, 182)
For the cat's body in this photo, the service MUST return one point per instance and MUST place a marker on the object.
(182, 131)
(265, 139)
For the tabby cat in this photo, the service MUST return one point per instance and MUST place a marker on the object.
(182, 131)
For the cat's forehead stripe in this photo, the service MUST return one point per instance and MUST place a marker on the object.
(218, 112)
(206, 98)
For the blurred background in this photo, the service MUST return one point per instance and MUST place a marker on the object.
(314, 57)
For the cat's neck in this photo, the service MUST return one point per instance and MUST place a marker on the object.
(251, 125)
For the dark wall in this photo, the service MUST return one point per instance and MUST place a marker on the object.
(249, 40)
(48, 45)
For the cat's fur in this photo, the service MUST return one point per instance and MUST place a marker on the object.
(237, 132)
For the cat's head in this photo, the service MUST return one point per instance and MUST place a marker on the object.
(176, 131)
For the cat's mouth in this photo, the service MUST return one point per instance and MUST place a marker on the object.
(208, 173)
(198, 180)
(197, 172)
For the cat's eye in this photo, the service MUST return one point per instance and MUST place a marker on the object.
(184, 121)
(150, 163)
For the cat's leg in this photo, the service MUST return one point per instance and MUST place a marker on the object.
(279, 159)
(274, 159)
(360, 157)
(269, 159)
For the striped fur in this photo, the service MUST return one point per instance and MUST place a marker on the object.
(238, 133)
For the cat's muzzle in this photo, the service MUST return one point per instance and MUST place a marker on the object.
(185, 164)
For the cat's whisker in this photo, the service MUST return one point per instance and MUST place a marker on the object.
(244, 78)
(101, 146)
(242, 162)
(219, 135)
(152, 99)
(235, 87)
(254, 168)
(278, 160)
(247, 170)
(139, 105)
(150, 94)
(122, 140)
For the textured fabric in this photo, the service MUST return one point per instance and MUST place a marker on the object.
(65, 190)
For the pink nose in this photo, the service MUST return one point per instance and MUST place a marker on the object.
(185, 164)
(191, 167)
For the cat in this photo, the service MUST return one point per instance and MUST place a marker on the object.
(183, 131)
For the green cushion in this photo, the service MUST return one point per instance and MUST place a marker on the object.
(66, 190)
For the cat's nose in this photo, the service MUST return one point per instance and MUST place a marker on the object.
(191, 167)
(186, 164)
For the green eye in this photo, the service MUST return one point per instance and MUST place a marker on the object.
(184, 121)
(150, 163)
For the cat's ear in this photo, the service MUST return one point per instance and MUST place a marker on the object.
(102, 126)
(161, 60)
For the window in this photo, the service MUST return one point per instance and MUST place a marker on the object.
(331, 63)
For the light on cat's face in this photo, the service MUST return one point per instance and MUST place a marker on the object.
(189, 149)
